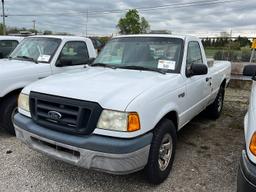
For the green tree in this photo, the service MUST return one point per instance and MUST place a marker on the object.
(105, 39)
(47, 32)
(132, 23)
(243, 41)
(145, 27)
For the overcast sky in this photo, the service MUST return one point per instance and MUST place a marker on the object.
(207, 20)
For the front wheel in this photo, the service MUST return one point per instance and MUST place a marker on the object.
(162, 152)
(8, 111)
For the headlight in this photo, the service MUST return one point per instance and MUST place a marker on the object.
(119, 121)
(23, 102)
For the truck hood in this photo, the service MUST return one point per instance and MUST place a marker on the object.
(12, 66)
(16, 74)
(111, 88)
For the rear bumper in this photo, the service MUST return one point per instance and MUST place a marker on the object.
(246, 180)
(112, 155)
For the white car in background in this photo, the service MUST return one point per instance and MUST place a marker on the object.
(8, 44)
(246, 181)
(37, 57)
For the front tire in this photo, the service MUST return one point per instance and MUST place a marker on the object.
(162, 152)
(8, 110)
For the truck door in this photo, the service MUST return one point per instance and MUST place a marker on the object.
(198, 87)
(74, 55)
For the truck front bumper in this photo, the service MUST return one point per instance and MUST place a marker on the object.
(107, 154)
(246, 179)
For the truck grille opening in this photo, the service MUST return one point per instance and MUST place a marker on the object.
(64, 114)
(56, 147)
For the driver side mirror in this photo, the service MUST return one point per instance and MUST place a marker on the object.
(90, 60)
(254, 77)
(197, 69)
(64, 62)
(250, 70)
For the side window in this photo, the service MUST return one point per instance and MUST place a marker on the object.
(6, 47)
(73, 53)
(194, 55)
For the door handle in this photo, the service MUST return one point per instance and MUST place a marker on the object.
(208, 79)
(181, 95)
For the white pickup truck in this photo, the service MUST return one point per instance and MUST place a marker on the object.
(246, 181)
(35, 58)
(121, 114)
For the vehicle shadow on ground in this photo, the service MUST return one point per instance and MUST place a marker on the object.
(4, 134)
(98, 181)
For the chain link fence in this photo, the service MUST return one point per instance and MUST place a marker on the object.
(235, 49)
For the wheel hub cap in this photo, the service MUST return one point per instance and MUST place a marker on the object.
(220, 102)
(165, 152)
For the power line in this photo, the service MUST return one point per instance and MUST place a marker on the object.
(142, 9)
(3, 15)
(176, 5)
(98, 13)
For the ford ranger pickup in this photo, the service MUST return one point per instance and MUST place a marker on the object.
(121, 113)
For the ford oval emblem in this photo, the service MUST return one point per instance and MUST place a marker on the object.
(54, 115)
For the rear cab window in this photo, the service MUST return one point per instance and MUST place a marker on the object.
(6, 47)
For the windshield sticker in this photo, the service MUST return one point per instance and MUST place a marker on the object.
(44, 58)
(166, 64)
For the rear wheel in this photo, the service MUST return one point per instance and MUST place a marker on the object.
(8, 110)
(215, 109)
(162, 152)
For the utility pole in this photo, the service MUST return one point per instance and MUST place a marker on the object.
(253, 49)
(4, 28)
(252, 55)
(34, 25)
(86, 24)
(230, 41)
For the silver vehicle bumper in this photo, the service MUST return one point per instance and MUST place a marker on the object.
(107, 162)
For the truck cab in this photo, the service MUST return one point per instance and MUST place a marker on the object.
(35, 58)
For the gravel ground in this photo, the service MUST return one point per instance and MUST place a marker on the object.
(206, 160)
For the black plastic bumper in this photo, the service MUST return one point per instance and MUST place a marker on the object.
(90, 142)
(246, 179)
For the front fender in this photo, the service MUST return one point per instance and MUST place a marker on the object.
(153, 109)
(250, 122)
(170, 107)
(19, 85)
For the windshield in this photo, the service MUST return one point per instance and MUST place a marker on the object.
(157, 53)
(38, 49)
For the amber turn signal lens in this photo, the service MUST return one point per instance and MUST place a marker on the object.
(133, 122)
(253, 144)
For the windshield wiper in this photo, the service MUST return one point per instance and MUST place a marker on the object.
(102, 65)
(27, 58)
(142, 68)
